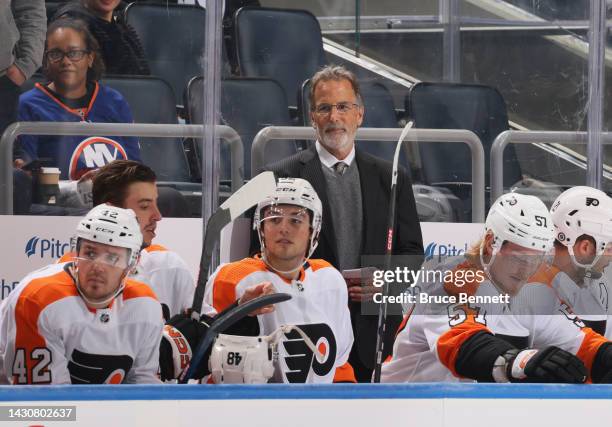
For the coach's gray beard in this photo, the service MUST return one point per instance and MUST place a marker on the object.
(335, 143)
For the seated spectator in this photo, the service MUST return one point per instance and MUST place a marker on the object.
(119, 44)
(73, 67)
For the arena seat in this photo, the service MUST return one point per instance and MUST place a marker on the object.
(285, 45)
(152, 101)
(51, 7)
(247, 105)
(29, 83)
(172, 37)
(478, 108)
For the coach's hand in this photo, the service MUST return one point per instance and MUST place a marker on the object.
(361, 292)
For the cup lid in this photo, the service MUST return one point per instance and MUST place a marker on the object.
(47, 170)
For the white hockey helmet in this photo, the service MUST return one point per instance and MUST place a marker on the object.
(583, 211)
(298, 192)
(520, 219)
(112, 226)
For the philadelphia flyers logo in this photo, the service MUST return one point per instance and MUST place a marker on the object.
(86, 368)
(300, 360)
(93, 153)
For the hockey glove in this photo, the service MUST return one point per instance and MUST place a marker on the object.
(180, 338)
(550, 365)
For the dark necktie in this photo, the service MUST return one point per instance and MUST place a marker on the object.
(340, 168)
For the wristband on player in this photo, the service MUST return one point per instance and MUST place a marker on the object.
(510, 366)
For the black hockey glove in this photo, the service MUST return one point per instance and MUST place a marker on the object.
(180, 338)
(550, 365)
(601, 371)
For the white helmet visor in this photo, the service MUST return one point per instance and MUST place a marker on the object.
(294, 215)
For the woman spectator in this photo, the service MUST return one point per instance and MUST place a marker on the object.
(73, 66)
(119, 44)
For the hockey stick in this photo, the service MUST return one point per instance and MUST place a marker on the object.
(223, 321)
(382, 308)
(242, 200)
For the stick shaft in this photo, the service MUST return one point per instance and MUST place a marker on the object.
(382, 308)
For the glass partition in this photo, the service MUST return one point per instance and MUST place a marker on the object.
(533, 54)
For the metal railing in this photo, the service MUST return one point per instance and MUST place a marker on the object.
(530, 137)
(107, 129)
(390, 135)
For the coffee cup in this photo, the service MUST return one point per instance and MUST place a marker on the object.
(47, 188)
(49, 176)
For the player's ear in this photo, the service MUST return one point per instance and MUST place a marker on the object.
(488, 243)
(583, 249)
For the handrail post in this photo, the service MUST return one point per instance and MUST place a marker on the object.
(13, 131)
(530, 137)
(389, 135)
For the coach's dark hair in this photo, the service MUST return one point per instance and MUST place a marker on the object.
(337, 73)
(94, 73)
(111, 181)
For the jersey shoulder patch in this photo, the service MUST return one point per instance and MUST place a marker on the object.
(234, 272)
(45, 290)
(156, 248)
(67, 257)
(317, 264)
(136, 289)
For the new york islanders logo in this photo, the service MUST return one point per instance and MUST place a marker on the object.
(299, 359)
(93, 153)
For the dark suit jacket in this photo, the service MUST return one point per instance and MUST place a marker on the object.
(375, 178)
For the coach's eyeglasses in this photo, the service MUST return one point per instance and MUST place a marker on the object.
(75, 55)
(341, 108)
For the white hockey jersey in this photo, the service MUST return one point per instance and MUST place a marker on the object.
(585, 300)
(319, 307)
(48, 335)
(431, 336)
(169, 277)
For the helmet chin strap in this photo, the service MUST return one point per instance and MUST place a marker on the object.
(487, 266)
(293, 270)
(262, 243)
(589, 272)
(104, 303)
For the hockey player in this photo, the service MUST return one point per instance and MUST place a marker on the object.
(582, 217)
(132, 185)
(85, 321)
(450, 340)
(288, 223)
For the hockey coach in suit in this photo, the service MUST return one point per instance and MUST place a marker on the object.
(355, 190)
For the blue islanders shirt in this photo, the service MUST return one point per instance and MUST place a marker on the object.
(75, 155)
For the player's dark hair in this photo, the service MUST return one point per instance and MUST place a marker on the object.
(94, 73)
(111, 181)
